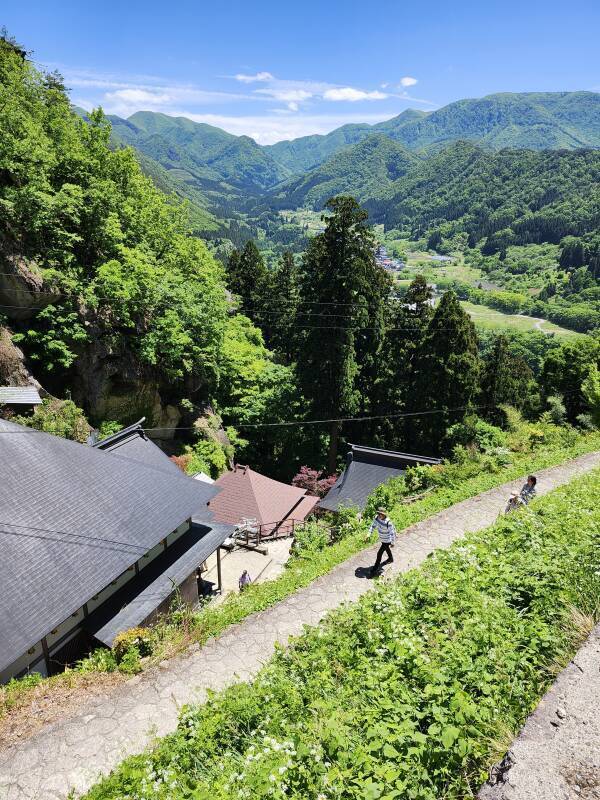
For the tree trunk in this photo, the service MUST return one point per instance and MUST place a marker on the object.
(334, 435)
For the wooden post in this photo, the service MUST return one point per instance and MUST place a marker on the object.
(46, 654)
(219, 582)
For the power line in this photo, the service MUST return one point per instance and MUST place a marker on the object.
(334, 419)
(61, 295)
(67, 533)
(291, 423)
(95, 542)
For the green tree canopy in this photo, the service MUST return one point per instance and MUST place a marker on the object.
(344, 330)
(565, 370)
(249, 278)
(506, 379)
(445, 375)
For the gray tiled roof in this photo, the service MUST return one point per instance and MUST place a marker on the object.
(368, 468)
(72, 519)
(143, 594)
(20, 395)
(132, 442)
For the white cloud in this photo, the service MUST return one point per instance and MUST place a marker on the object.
(285, 109)
(269, 129)
(259, 77)
(408, 81)
(139, 97)
(351, 95)
(151, 86)
(284, 95)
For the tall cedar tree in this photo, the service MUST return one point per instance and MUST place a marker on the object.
(249, 278)
(343, 293)
(409, 317)
(506, 380)
(278, 327)
(446, 371)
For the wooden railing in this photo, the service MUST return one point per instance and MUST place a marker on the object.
(253, 534)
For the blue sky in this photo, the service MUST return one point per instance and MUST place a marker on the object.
(277, 70)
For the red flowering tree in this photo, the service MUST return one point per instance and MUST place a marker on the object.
(311, 480)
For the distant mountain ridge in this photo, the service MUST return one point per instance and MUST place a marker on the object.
(534, 120)
(222, 174)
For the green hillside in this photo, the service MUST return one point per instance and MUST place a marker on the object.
(538, 121)
(209, 153)
(512, 197)
(364, 170)
(535, 120)
(306, 152)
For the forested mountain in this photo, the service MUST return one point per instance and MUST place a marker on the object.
(305, 153)
(511, 197)
(210, 155)
(538, 121)
(364, 170)
(224, 174)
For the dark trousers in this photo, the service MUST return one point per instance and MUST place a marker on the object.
(385, 548)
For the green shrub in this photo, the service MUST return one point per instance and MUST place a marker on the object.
(347, 523)
(208, 456)
(402, 694)
(11, 691)
(475, 432)
(385, 496)
(419, 478)
(100, 660)
(108, 427)
(586, 422)
(138, 639)
(309, 539)
(58, 417)
(130, 662)
(556, 412)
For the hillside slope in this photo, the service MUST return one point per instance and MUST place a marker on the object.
(210, 154)
(518, 196)
(534, 120)
(537, 121)
(363, 170)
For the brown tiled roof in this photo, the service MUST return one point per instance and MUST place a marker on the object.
(246, 493)
(304, 507)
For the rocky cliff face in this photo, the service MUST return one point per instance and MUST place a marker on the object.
(13, 367)
(108, 384)
(22, 288)
(112, 384)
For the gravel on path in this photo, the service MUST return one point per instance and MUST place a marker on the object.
(72, 754)
(557, 754)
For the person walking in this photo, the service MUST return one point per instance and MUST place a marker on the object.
(244, 581)
(387, 536)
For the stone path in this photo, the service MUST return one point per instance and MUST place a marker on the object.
(557, 754)
(73, 753)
